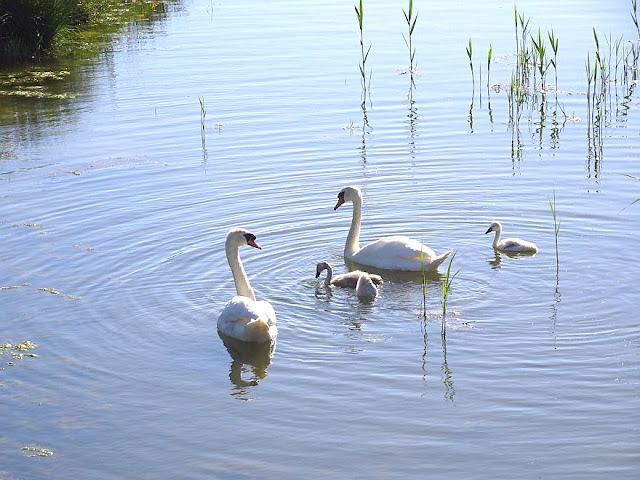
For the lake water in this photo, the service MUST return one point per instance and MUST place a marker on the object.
(114, 208)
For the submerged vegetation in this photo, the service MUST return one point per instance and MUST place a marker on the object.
(33, 29)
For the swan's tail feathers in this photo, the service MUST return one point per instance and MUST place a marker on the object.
(259, 330)
(437, 261)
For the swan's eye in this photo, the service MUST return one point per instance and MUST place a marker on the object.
(341, 195)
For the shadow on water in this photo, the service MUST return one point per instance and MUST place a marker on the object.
(395, 275)
(249, 364)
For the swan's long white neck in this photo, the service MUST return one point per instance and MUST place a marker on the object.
(327, 280)
(239, 275)
(496, 239)
(353, 239)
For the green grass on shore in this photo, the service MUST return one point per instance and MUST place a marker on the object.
(33, 29)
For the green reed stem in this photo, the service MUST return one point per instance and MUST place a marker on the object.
(634, 15)
(556, 229)
(203, 113)
(489, 65)
(446, 287)
(411, 25)
(365, 55)
(470, 55)
(554, 46)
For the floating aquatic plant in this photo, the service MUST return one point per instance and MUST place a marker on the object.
(33, 451)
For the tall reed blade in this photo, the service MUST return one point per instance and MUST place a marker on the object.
(634, 16)
(470, 55)
(554, 46)
(411, 25)
(489, 64)
(446, 285)
(364, 55)
(556, 229)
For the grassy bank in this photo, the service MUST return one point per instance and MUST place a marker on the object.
(32, 29)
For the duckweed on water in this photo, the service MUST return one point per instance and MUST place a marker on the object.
(17, 351)
(29, 224)
(50, 290)
(33, 451)
(83, 247)
(53, 291)
(24, 346)
(33, 83)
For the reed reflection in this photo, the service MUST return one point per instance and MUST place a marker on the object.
(446, 374)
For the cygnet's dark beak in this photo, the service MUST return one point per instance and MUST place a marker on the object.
(490, 230)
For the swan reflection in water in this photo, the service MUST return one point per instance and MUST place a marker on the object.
(496, 260)
(249, 363)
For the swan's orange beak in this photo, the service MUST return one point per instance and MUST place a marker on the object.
(340, 202)
(253, 243)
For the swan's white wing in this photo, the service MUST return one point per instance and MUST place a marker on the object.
(246, 320)
(346, 280)
(267, 310)
(395, 253)
(517, 245)
(350, 279)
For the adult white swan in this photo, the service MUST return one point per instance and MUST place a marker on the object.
(243, 317)
(510, 244)
(388, 253)
(345, 280)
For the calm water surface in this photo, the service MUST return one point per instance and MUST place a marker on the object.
(112, 197)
